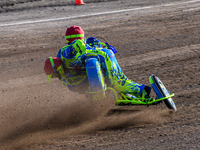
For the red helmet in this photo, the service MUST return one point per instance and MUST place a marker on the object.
(48, 66)
(73, 33)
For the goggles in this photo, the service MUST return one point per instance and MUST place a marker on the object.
(73, 36)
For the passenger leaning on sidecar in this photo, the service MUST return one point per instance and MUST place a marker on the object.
(69, 65)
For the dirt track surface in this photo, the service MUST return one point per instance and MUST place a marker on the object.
(155, 37)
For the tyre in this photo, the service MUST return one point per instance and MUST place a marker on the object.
(161, 91)
(95, 76)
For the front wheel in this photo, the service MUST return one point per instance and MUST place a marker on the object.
(161, 92)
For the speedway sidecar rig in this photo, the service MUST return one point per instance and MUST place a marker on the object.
(98, 86)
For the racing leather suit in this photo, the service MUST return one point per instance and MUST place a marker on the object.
(73, 57)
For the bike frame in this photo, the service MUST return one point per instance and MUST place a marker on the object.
(135, 101)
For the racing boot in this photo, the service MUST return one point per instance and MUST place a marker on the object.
(146, 93)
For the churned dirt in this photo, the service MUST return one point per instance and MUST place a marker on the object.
(152, 37)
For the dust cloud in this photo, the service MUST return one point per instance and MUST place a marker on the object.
(48, 116)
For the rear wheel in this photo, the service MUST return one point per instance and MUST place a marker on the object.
(95, 77)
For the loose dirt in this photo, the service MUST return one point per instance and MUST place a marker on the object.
(163, 40)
